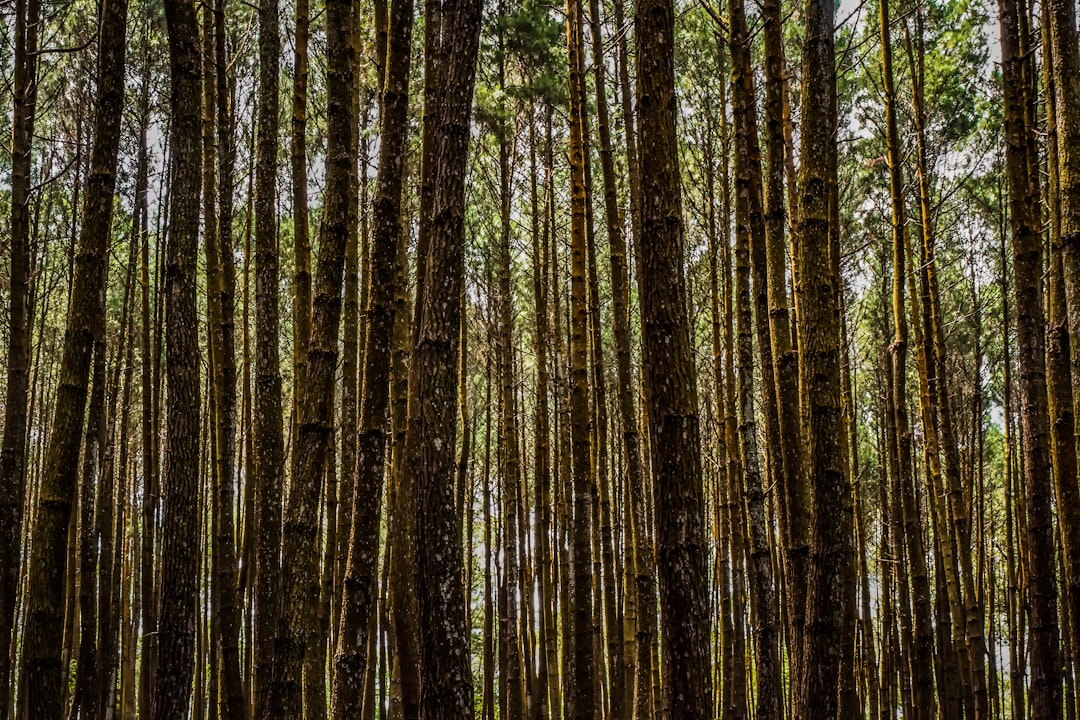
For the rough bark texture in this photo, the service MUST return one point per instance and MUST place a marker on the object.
(1063, 131)
(749, 238)
(920, 665)
(180, 546)
(831, 590)
(581, 692)
(445, 672)
(360, 579)
(679, 505)
(85, 330)
(315, 388)
(13, 448)
(1045, 694)
(232, 702)
(269, 452)
(795, 490)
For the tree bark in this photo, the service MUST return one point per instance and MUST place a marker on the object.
(350, 659)
(581, 693)
(920, 665)
(445, 672)
(1045, 694)
(179, 552)
(83, 340)
(830, 590)
(315, 388)
(13, 448)
(671, 393)
(269, 455)
(1063, 146)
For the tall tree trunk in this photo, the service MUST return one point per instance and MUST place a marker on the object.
(404, 610)
(269, 456)
(350, 659)
(614, 228)
(315, 388)
(1027, 258)
(234, 704)
(546, 697)
(301, 280)
(509, 451)
(84, 339)
(670, 379)
(581, 692)
(830, 591)
(13, 448)
(749, 231)
(87, 547)
(113, 513)
(445, 672)
(795, 491)
(148, 438)
(179, 578)
(1059, 28)
(920, 661)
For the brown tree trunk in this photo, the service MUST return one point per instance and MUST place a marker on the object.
(749, 237)
(795, 491)
(1027, 258)
(269, 455)
(617, 243)
(546, 696)
(301, 281)
(179, 577)
(830, 590)
(920, 665)
(359, 584)
(148, 438)
(299, 593)
(581, 693)
(87, 547)
(445, 672)
(510, 627)
(670, 380)
(13, 448)
(234, 701)
(1063, 147)
(84, 339)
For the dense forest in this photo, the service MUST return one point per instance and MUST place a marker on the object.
(682, 359)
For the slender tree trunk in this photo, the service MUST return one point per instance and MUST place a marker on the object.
(487, 708)
(920, 661)
(1027, 257)
(445, 672)
(301, 281)
(795, 488)
(510, 627)
(1063, 147)
(350, 659)
(84, 339)
(315, 387)
(269, 455)
(148, 438)
(87, 547)
(581, 692)
(546, 698)
(749, 230)
(13, 448)
(830, 590)
(617, 246)
(234, 702)
(670, 380)
(179, 578)
(405, 698)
